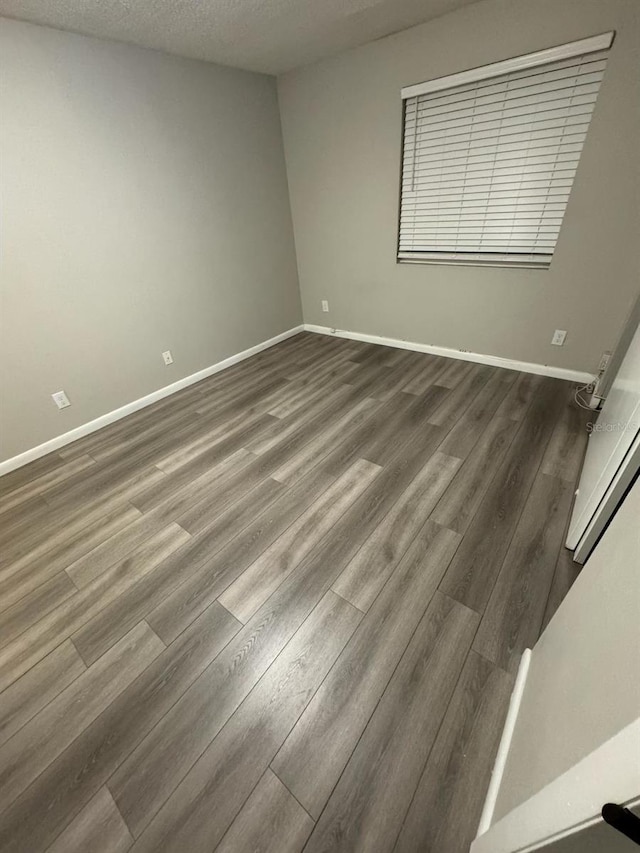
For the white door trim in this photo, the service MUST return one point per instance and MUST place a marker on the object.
(499, 764)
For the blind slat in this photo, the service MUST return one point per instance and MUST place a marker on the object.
(490, 180)
(442, 222)
(575, 91)
(467, 138)
(498, 119)
(584, 72)
(454, 165)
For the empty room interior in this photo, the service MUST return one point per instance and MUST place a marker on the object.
(320, 426)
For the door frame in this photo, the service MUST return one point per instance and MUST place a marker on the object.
(625, 394)
(607, 507)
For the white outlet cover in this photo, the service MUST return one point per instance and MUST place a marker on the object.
(61, 400)
(559, 337)
(604, 361)
(168, 358)
(325, 305)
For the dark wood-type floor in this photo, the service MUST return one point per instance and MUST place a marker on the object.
(281, 610)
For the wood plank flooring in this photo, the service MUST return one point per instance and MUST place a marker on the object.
(282, 609)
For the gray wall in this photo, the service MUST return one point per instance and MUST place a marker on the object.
(144, 208)
(342, 130)
(583, 685)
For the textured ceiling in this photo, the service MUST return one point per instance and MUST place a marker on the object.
(260, 35)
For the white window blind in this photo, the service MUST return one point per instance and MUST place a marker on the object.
(490, 155)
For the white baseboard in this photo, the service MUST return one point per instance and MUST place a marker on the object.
(96, 424)
(497, 773)
(463, 355)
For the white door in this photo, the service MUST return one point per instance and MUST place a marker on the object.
(564, 816)
(612, 456)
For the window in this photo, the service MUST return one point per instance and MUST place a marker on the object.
(490, 155)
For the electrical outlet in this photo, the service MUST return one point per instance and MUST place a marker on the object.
(61, 400)
(604, 361)
(325, 305)
(168, 358)
(558, 337)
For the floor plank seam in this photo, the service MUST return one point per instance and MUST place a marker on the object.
(126, 755)
(359, 609)
(78, 588)
(493, 479)
(52, 699)
(525, 498)
(45, 768)
(88, 665)
(488, 660)
(195, 536)
(237, 618)
(556, 567)
(433, 744)
(254, 687)
(283, 783)
(317, 545)
(373, 710)
(149, 628)
(231, 822)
